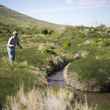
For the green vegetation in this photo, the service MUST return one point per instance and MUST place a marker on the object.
(11, 76)
(42, 42)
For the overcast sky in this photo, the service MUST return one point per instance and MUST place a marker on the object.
(71, 12)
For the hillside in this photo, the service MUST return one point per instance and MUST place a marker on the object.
(28, 68)
(9, 16)
(86, 48)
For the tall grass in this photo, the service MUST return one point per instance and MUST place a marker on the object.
(50, 99)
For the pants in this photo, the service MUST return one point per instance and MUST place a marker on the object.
(11, 54)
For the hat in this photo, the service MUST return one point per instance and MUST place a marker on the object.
(14, 33)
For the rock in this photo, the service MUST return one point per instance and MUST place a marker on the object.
(91, 86)
(73, 80)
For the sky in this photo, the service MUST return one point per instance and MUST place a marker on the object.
(68, 12)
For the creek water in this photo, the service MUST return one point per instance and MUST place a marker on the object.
(101, 99)
(57, 79)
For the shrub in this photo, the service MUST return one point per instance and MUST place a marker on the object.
(92, 68)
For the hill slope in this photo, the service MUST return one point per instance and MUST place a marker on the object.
(9, 16)
(42, 46)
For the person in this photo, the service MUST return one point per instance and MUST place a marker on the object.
(11, 46)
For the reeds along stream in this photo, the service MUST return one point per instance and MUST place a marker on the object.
(52, 99)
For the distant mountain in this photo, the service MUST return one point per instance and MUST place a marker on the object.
(9, 16)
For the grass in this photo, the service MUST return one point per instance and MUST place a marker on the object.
(11, 76)
(51, 99)
(29, 69)
(40, 46)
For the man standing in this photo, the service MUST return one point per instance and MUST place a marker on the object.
(11, 46)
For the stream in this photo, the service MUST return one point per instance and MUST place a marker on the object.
(57, 79)
(101, 99)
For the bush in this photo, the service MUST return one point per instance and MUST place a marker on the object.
(91, 68)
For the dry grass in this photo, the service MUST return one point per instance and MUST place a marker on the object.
(50, 99)
(32, 100)
(83, 106)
